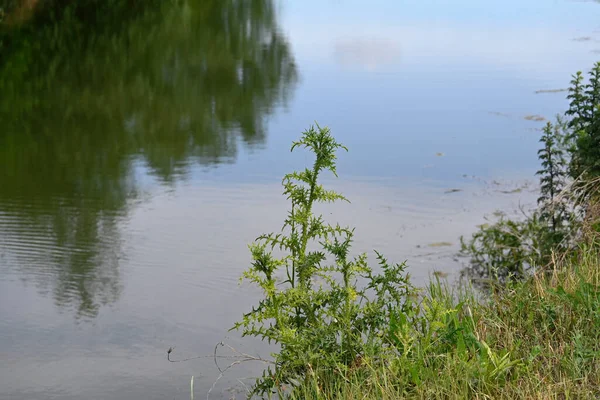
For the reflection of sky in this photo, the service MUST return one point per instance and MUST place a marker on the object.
(390, 11)
(401, 81)
(508, 32)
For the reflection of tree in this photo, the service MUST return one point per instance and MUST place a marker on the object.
(184, 82)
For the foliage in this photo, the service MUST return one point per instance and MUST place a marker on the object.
(552, 180)
(584, 111)
(505, 249)
(313, 306)
(570, 160)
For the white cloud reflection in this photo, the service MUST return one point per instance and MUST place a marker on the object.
(429, 45)
(369, 53)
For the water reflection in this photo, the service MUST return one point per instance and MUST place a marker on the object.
(368, 53)
(87, 97)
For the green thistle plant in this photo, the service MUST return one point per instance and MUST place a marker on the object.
(313, 308)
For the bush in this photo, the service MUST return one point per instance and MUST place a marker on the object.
(506, 249)
(570, 167)
(584, 112)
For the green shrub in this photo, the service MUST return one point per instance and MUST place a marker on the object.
(584, 111)
(570, 163)
(506, 249)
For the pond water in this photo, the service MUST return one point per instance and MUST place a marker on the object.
(142, 150)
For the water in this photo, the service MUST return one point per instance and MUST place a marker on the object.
(142, 150)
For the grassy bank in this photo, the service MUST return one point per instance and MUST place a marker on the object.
(348, 330)
(536, 339)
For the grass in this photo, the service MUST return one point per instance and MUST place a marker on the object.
(535, 339)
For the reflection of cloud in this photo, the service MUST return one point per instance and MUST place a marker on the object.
(444, 45)
(368, 53)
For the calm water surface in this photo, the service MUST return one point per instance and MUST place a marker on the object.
(140, 155)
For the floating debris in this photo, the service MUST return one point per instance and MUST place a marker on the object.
(517, 190)
(536, 118)
(439, 154)
(551, 91)
(499, 114)
(440, 244)
(582, 39)
(440, 274)
(453, 190)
